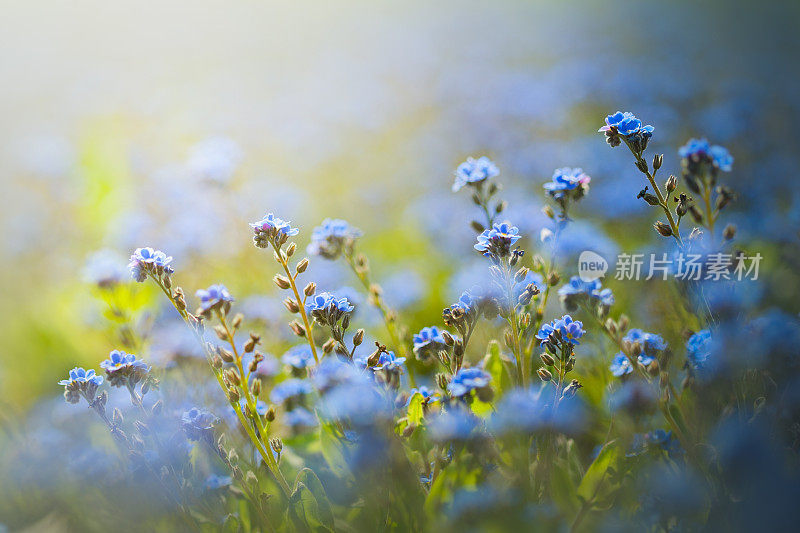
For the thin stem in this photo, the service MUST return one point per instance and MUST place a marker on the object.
(251, 402)
(300, 303)
(388, 314)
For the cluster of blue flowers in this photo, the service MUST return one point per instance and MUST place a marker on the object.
(272, 230)
(327, 309)
(474, 171)
(562, 333)
(698, 349)
(81, 383)
(624, 126)
(699, 151)
(146, 261)
(332, 238)
(497, 241)
(124, 369)
(578, 292)
(568, 183)
(214, 298)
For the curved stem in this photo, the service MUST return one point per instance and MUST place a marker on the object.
(300, 303)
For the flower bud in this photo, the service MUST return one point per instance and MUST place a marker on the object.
(358, 338)
(544, 374)
(250, 478)
(221, 333)
(276, 444)
(310, 289)
(216, 362)
(329, 345)
(663, 229)
(237, 320)
(729, 232)
(548, 211)
(477, 226)
(671, 183)
(281, 281)
(256, 387)
(226, 355)
(270, 416)
(547, 359)
(448, 338)
(291, 306)
(290, 250)
(302, 265)
(298, 330)
(658, 159)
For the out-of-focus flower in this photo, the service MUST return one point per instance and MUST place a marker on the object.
(197, 423)
(568, 182)
(428, 341)
(215, 159)
(428, 396)
(331, 238)
(455, 424)
(697, 151)
(215, 482)
(468, 379)
(105, 268)
(474, 171)
(698, 349)
(213, 298)
(578, 292)
(620, 365)
(300, 417)
(289, 389)
(650, 344)
(299, 356)
(123, 369)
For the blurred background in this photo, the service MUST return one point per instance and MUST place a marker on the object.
(173, 124)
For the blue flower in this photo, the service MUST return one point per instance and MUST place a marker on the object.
(620, 366)
(561, 332)
(578, 291)
(698, 349)
(429, 339)
(81, 382)
(104, 269)
(198, 423)
(473, 171)
(389, 361)
(272, 230)
(356, 402)
(453, 424)
(300, 418)
(332, 371)
(124, 369)
(497, 241)
(299, 356)
(526, 410)
(215, 482)
(327, 309)
(213, 298)
(468, 379)
(650, 343)
(626, 126)
(697, 151)
(289, 389)
(568, 179)
(428, 396)
(332, 237)
(149, 261)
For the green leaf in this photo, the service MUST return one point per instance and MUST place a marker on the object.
(415, 412)
(563, 489)
(595, 482)
(332, 451)
(324, 512)
(493, 363)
